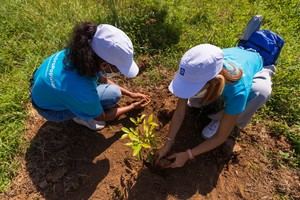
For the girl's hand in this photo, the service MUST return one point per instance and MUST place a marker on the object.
(138, 95)
(139, 104)
(163, 151)
(180, 159)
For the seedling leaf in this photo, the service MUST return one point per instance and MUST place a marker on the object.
(133, 121)
(147, 146)
(129, 144)
(125, 130)
(124, 136)
(136, 150)
(133, 137)
(143, 139)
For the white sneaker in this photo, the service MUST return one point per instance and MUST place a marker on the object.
(210, 130)
(92, 124)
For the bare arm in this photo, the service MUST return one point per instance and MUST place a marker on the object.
(116, 112)
(175, 124)
(123, 90)
(226, 125)
(135, 95)
(177, 118)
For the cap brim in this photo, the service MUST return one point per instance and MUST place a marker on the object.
(184, 89)
(131, 71)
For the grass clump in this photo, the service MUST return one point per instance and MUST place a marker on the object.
(146, 23)
(292, 133)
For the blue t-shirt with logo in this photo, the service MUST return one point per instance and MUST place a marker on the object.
(236, 94)
(57, 87)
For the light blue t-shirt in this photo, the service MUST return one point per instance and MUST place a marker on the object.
(57, 87)
(236, 94)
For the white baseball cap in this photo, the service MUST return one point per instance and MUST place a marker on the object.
(114, 46)
(197, 66)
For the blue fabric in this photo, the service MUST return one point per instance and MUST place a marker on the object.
(58, 88)
(266, 43)
(54, 116)
(109, 96)
(236, 94)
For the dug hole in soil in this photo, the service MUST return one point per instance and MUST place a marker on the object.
(68, 161)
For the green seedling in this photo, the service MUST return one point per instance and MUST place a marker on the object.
(143, 138)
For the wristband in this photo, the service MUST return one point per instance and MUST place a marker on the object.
(189, 152)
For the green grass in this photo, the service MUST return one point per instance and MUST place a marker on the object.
(292, 158)
(163, 30)
(30, 30)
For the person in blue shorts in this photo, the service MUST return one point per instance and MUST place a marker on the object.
(72, 83)
(207, 72)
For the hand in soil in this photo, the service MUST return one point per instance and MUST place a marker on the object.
(139, 104)
(165, 162)
(138, 95)
(162, 152)
(179, 159)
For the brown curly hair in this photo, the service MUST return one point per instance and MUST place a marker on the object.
(79, 54)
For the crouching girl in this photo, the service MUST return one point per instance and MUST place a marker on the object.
(71, 83)
(207, 72)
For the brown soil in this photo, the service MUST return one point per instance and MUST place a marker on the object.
(68, 161)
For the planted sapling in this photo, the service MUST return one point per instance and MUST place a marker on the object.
(143, 138)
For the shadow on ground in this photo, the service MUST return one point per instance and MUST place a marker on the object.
(199, 176)
(61, 160)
